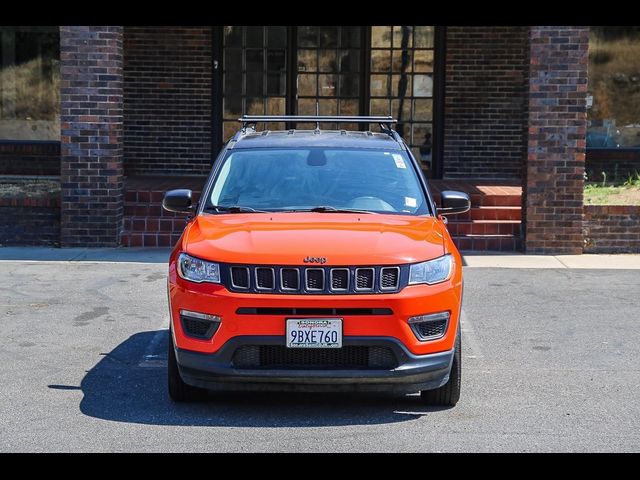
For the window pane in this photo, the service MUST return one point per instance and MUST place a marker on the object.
(29, 83)
(276, 60)
(233, 83)
(232, 107)
(328, 37)
(401, 61)
(349, 107)
(349, 86)
(328, 106)
(233, 36)
(402, 37)
(423, 37)
(228, 130)
(327, 85)
(380, 60)
(233, 59)
(307, 36)
(306, 106)
(275, 106)
(254, 36)
(254, 84)
(422, 85)
(423, 109)
(379, 106)
(276, 84)
(307, 85)
(380, 36)
(255, 106)
(277, 37)
(327, 61)
(379, 85)
(422, 136)
(423, 61)
(307, 60)
(350, 37)
(405, 114)
(613, 98)
(349, 61)
(401, 85)
(255, 59)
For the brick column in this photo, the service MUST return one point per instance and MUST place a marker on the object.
(91, 135)
(553, 183)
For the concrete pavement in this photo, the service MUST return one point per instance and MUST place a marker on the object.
(549, 364)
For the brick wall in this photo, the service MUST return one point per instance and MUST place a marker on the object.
(167, 99)
(553, 186)
(30, 212)
(485, 101)
(29, 158)
(611, 228)
(91, 135)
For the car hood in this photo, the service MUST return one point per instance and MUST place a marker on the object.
(288, 238)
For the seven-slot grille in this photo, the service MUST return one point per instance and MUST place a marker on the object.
(318, 280)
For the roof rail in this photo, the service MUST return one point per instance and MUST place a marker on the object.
(384, 122)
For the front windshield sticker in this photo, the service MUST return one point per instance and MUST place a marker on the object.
(410, 202)
(399, 161)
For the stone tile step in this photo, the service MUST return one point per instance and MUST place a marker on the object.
(151, 197)
(484, 227)
(494, 243)
(488, 213)
(139, 239)
(154, 224)
(148, 210)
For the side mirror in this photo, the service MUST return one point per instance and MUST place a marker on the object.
(453, 202)
(178, 201)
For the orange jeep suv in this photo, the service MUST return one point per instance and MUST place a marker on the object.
(315, 260)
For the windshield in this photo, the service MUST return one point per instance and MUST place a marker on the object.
(324, 179)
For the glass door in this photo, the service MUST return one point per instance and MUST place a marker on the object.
(402, 83)
(254, 74)
(340, 70)
(329, 61)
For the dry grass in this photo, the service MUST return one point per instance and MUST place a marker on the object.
(614, 79)
(31, 95)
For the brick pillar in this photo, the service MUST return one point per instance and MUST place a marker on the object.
(553, 183)
(91, 135)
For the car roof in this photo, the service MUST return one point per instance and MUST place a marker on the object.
(314, 138)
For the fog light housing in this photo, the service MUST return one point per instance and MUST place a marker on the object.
(199, 325)
(430, 327)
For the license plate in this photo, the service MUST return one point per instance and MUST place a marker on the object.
(314, 333)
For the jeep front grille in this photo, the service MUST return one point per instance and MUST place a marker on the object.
(314, 280)
(389, 278)
(240, 277)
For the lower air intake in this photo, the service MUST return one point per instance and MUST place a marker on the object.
(281, 357)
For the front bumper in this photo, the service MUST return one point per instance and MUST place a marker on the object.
(215, 371)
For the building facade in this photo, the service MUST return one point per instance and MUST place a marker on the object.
(118, 113)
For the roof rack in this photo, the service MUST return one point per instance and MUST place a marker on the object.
(384, 122)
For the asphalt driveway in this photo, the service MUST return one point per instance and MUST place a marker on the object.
(550, 363)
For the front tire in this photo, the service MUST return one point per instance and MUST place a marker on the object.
(448, 394)
(179, 391)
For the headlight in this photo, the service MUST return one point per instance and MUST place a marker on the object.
(433, 271)
(196, 270)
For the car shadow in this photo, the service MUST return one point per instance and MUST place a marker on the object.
(129, 385)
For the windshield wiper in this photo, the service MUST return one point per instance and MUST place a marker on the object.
(234, 209)
(329, 209)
